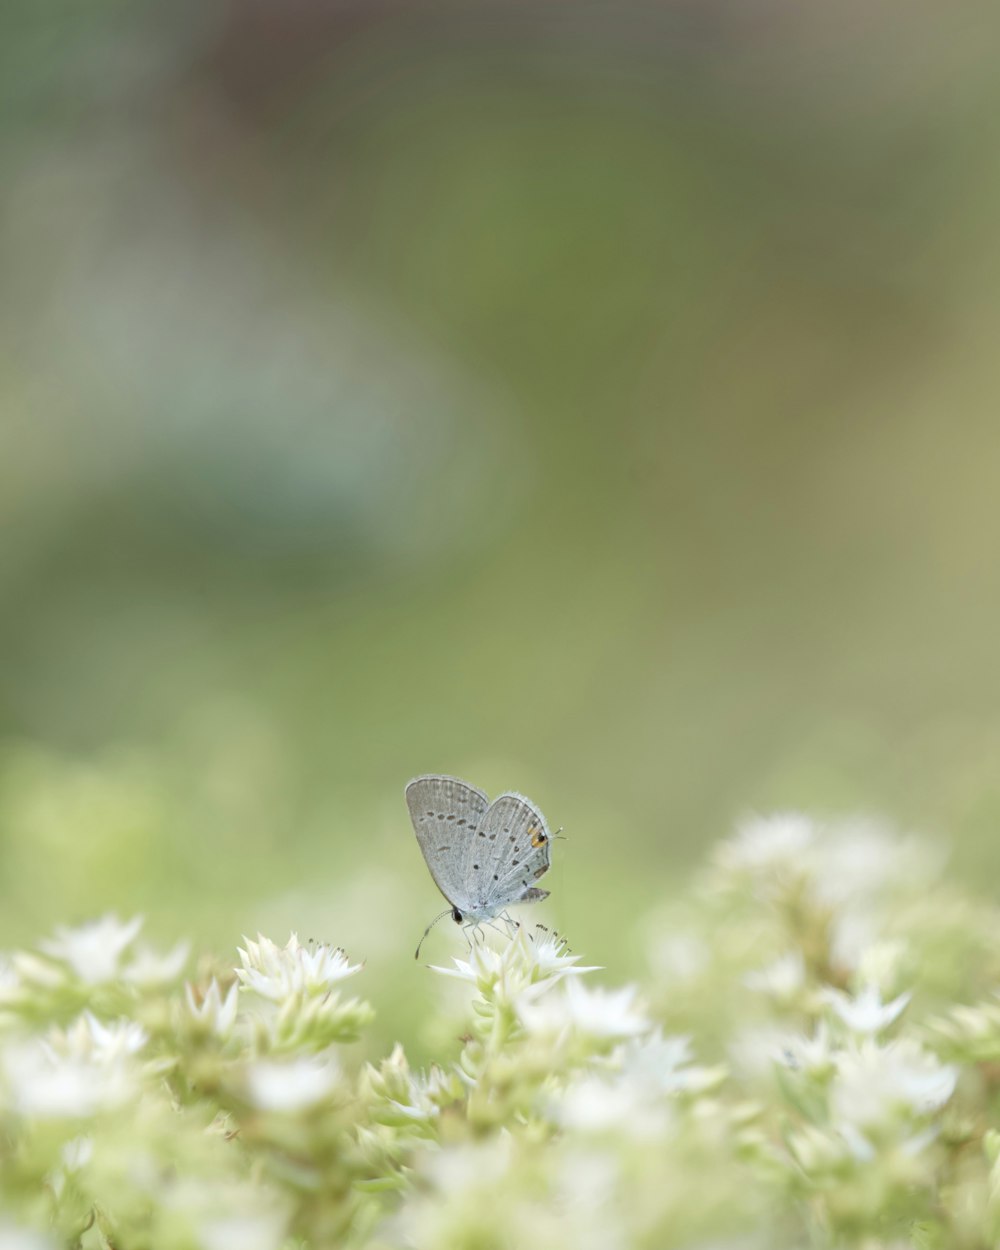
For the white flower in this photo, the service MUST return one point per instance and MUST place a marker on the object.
(425, 1092)
(403, 1095)
(676, 957)
(865, 1013)
(632, 1094)
(882, 963)
(214, 1013)
(227, 1215)
(587, 1197)
(93, 950)
(13, 1237)
(77, 1072)
(754, 1050)
(290, 1085)
(34, 972)
(472, 1166)
(526, 960)
(765, 843)
(252, 1230)
(276, 972)
(77, 1153)
(874, 1085)
(49, 1085)
(595, 1104)
(861, 858)
(857, 1143)
(596, 1013)
(485, 963)
(149, 969)
(11, 989)
(89, 1037)
(781, 980)
(662, 1065)
(812, 1055)
(550, 955)
(852, 934)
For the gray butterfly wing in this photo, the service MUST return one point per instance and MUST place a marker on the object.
(516, 839)
(446, 813)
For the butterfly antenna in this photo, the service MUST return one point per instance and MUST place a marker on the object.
(560, 835)
(447, 912)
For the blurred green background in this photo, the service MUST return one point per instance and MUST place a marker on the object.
(597, 401)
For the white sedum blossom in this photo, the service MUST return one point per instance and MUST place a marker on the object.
(865, 1013)
(812, 1055)
(662, 1065)
(212, 1012)
(77, 1153)
(595, 1104)
(597, 1013)
(874, 1086)
(105, 1042)
(677, 958)
(13, 1237)
(276, 972)
(252, 1230)
(47, 1083)
(11, 989)
(149, 969)
(766, 844)
(93, 950)
(859, 859)
(291, 1085)
(527, 960)
(753, 1050)
(782, 979)
(230, 1216)
(74, 1156)
(633, 1093)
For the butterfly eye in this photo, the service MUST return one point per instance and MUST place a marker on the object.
(456, 915)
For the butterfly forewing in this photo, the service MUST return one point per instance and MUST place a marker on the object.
(446, 814)
(517, 838)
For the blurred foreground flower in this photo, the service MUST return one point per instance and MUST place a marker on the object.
(811, 1061)
(93, 951)
(594, 1013)
(865, 1013)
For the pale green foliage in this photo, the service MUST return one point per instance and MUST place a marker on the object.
(810, 1061)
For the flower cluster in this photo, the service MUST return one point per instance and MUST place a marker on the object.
(810, 1060)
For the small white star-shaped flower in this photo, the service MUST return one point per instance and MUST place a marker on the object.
(597, 1013)
(276, 972)
(865, 1013)
(93, 950)
(781, 979)
(876, 1084)
(527, 960)
(213, 1012)
(290, 1085)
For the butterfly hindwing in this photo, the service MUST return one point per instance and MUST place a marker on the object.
(446, 814)
(517, 838)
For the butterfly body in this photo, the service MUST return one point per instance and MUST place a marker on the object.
(483, 856)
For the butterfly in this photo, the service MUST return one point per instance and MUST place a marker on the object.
(483, 856)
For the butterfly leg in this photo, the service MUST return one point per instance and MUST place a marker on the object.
(512, 924)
